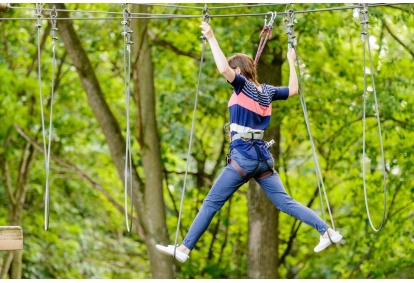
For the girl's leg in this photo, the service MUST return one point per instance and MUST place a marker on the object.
(226, 184)
(274, 189)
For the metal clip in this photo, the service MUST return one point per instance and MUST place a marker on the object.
(206, 14)
(269, 143)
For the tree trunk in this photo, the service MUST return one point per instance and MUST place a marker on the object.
(161, 265)
(263, 239)
(116, 142)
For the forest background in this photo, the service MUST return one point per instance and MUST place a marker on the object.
(87, 235)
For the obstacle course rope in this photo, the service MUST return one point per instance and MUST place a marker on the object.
(292, 42)
(127, 78)
(206, 18)
(363, 15)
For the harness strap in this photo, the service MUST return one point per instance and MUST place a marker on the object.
(243, 174)
(251, 136)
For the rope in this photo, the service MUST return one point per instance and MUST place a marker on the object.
(206, 18)
(52, 95)
(265, 35)
(127, 77)
(363, 14)
(289, 23)
(38, 14)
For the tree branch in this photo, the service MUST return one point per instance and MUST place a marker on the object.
(396, 38)
(171, 47)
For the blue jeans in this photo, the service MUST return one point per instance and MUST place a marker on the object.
(230, 181)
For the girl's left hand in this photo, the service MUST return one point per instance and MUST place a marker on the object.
(206, 30)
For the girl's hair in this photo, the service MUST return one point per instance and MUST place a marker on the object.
(246, 65)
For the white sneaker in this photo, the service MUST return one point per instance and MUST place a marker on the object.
(325, 242)
(169, 250)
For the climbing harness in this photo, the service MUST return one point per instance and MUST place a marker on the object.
(206, 18)
(127, 75)
(265, 35)
(246, 177)
(363, 16)
(289, 27)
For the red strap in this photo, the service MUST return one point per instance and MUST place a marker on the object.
(262, 43)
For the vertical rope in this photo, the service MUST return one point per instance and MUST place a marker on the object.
(321, 186)
(363, 14)
(53, 15)
(206, 18)
(127, 78)
(38, 14)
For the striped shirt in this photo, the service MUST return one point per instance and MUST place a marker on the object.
(250, 111)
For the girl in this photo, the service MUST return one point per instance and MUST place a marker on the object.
(250, 110)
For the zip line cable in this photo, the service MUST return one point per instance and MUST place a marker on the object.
(127, 78)
(175, 16)
(206, 18)
(363, 15)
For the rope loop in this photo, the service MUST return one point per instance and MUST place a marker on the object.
(363, 15)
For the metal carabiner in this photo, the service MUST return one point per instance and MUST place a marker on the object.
(273, 18)
(53, 13)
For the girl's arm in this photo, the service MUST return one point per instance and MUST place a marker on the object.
(219, 58)
(293, 79)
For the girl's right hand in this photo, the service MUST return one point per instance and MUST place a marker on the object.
(206, 30)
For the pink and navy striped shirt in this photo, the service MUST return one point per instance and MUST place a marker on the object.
(250, 111)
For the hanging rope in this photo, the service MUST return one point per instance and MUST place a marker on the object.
(363, 15)
(289, 26)
(206, 18)
(38, 14)
(265, 35)
(127, 78)
(46, 145)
